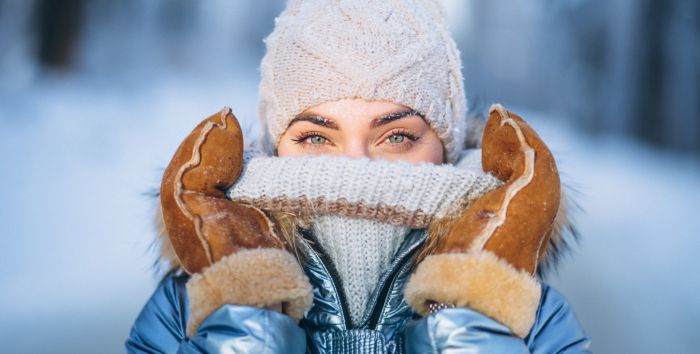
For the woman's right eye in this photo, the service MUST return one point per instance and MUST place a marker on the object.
(316, 139)
(311, 139)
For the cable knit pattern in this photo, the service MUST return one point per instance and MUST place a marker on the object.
(361, 249)
(395, 50)
(396, 192)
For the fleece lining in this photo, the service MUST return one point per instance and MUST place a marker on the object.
(480, 281)
(252, 277)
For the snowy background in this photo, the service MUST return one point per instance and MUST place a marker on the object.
(92, 108)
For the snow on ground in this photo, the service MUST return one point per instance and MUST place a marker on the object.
(78, 158)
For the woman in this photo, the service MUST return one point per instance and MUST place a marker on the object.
(364, 225)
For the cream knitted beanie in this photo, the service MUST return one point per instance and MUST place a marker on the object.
(396, 50)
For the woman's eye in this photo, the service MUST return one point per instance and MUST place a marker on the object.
(311, 140)
(397, 138)
(401, 140)
(316, 139)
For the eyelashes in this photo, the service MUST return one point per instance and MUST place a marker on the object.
(301, 138)
(405, 133)
(403, 146)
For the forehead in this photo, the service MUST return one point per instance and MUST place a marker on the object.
(356, 106)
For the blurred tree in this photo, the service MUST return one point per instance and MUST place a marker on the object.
(619, 66)
(650, 38)
(58, 26)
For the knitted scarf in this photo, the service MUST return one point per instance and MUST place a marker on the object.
(360, 209)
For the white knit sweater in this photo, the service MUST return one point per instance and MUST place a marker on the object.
(361, 249)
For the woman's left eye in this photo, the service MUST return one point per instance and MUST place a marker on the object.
(316, 139)
(401, 137)
(396, 138)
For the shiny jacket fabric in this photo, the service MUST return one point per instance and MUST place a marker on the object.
(388, 325)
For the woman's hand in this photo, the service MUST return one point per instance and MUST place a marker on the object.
(202, 224)
(488, 259)
(232, 250)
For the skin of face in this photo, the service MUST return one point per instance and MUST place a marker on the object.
(356, 127)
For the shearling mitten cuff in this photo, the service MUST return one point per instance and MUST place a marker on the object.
(252, 277)
(480, 281)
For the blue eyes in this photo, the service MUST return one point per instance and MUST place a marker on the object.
(315, 139)
(396, 139)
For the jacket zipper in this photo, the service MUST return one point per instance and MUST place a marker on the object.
(321, 258)
(388, 284)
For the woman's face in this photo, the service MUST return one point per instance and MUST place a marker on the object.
(357, 127)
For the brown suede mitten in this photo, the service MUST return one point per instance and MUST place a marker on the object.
(488, 259)
(233, 251)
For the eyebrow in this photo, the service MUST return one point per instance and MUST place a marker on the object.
(388, 118)
(315, 119)
(374, 123)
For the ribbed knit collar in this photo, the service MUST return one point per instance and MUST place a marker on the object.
(361, 209)
(396, 192)
(361, 250)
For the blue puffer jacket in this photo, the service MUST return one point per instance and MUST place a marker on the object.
(388, 325)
